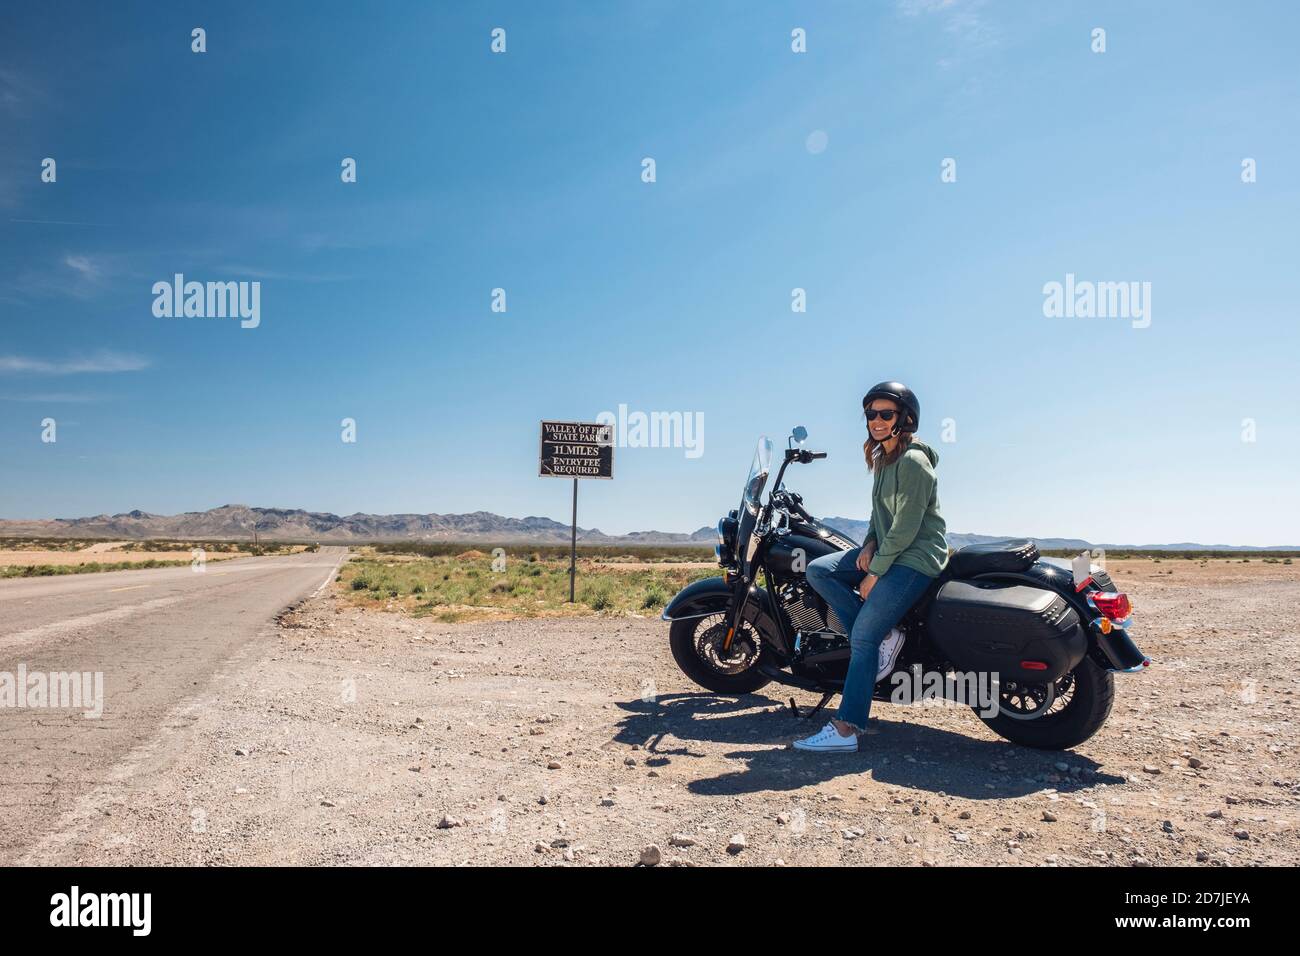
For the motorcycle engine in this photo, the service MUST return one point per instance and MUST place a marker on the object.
(806, 610)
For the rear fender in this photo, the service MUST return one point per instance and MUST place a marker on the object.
(1115, 651)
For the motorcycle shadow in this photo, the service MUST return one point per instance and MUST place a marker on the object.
(683, 717)
(901, 753)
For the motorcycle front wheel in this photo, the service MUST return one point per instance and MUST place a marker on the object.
(1055, 716)
(697, 645)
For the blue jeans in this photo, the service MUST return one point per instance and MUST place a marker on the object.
(836, 578)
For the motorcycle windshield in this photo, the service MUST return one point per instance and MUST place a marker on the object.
(750, 502)
(758, 471)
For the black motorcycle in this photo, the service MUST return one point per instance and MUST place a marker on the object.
(1044, 635)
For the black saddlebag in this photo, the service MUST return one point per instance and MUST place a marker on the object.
(1018, 632)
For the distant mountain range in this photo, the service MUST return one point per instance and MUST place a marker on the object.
(235, 522)
(856, 529)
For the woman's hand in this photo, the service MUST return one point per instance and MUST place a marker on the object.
(867, 584)
(865, 554)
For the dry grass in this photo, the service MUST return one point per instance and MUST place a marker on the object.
(29, 557)
(465, 586)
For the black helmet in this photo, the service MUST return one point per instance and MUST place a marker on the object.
(901, 395)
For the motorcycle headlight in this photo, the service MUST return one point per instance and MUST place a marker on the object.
(727, 528)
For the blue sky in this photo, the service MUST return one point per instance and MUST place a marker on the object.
(523, 170)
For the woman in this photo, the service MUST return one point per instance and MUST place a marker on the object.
(870, 588)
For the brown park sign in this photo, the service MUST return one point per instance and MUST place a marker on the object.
(577, 450)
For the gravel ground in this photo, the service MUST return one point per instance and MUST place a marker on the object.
(356, 737)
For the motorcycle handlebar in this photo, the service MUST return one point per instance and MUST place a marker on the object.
(792, 503)
(802, 455)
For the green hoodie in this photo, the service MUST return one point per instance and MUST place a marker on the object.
(905, 520)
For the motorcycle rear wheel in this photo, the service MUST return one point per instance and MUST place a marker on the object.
(697, 647)
(1091, 692)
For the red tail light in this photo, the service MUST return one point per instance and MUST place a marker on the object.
(1115, 606)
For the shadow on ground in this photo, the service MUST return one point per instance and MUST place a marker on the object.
(904, 753)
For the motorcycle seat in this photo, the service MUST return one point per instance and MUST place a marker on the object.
(974, 559)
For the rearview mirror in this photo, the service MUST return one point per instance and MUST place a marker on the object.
(800, 434)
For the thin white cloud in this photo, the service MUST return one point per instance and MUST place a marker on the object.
(916, 7)
(17, 93)
(89, 269)
(55, 222)
(73, 274)
(52, 397)
(960, 18)
(99, 362)
(255, 273)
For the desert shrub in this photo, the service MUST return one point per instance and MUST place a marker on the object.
(598, 599)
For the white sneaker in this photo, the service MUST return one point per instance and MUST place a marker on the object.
(889, 648)
(828, 740)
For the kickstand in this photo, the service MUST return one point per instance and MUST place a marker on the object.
(794, 708)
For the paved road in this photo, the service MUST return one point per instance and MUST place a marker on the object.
(157, 636)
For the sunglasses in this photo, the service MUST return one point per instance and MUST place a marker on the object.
(885, 414)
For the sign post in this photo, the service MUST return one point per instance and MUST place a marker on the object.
(576, 450)
(573, 542)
